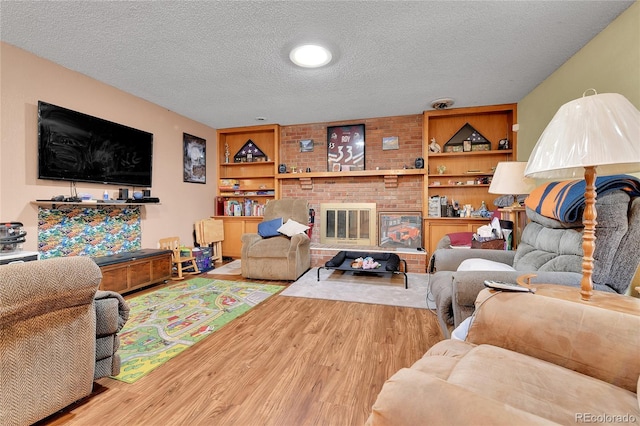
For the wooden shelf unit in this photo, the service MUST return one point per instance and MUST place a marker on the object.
(234, 227)
(252, 177)
(464, 170)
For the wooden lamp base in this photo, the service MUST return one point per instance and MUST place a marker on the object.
(589, 233)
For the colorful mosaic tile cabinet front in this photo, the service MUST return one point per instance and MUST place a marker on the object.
(88, 231)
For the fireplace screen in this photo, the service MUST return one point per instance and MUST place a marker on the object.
(348, 223)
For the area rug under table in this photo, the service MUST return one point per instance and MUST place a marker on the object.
(167, 321)
(349, 287)
(232, 268)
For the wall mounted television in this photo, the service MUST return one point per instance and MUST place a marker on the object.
(78, 147)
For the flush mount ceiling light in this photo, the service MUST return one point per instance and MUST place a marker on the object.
(442, 103)
(310, 56)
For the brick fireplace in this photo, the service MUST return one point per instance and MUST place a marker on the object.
(404, 195)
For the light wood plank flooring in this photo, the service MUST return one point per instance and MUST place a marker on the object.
(289, 361)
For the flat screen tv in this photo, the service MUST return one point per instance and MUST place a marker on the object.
(78, 147)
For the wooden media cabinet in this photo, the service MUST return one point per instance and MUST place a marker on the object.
(125, 272)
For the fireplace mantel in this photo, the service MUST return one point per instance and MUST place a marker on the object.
(390, 176)
(356, 173)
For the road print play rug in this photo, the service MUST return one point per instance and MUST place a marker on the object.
(167, 321)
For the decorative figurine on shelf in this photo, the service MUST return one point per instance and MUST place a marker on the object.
(484, 212)
(434, 147)
(226, 152)
(441, 169)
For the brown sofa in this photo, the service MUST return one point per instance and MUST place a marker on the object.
(59, 334)
(527, 359)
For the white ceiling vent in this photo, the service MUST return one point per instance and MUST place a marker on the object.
(442, 103)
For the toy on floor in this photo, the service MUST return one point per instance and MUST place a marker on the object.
(365, 263)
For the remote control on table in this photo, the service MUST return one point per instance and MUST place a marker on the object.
(501, 285)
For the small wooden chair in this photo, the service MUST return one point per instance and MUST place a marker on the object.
(210, 232)
(183, 264)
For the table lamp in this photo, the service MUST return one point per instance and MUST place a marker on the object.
(509, 179)
(598, 131)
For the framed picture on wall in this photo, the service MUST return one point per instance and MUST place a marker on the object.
(390, 142)
(306, 145)
(345, 147)
(194, 159)
(400, 229)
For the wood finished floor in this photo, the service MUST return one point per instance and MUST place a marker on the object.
(288, 361)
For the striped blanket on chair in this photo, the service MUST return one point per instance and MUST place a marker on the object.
(564, 200)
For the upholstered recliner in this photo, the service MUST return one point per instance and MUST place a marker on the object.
(528, 359)
(58, 334)
(549, 248)
(279, 257)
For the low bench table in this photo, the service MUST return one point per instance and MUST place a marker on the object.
(128, 271)
(389, 264)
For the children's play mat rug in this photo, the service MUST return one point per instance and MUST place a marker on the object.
(167, 321)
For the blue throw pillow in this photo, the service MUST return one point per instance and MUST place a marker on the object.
(269, 228)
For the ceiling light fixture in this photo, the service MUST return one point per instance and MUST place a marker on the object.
(310, 56)
(442, 103)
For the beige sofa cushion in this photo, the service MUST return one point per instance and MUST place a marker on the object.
(270, 247)
(538, 386)
(411, 397)
(579, 335)
(460, 383)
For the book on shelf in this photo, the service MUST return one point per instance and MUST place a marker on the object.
(241, 208)
(240, 193)
(229, 184)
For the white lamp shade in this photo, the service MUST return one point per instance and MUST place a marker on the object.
(509, 179)
(600, 130)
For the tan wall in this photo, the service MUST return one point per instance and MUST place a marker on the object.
(25, 79)
(609, 63)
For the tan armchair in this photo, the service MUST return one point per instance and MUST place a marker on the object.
(280, 257)
(59, 334)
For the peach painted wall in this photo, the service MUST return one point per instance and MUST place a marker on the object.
(26, 78)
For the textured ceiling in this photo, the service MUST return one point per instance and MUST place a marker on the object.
(225, 63)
